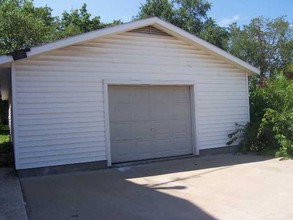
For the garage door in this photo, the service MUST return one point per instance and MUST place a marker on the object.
(149, 122)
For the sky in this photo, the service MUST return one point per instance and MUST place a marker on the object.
(224, 12)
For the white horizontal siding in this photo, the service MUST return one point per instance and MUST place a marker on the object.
(59, 95)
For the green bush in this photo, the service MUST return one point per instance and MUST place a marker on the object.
(271, 126)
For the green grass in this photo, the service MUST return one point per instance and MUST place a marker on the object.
(4, 134)
(6, 148)
(4, 138)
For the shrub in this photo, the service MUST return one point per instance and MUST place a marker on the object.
(271, 126)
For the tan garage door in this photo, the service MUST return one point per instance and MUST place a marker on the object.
(149, 122)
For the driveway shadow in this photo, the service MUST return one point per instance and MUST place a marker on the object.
(104, 194)
(109, 194)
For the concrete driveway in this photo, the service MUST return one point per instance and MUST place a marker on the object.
(210, 187)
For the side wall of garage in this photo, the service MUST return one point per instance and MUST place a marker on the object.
(58, 98)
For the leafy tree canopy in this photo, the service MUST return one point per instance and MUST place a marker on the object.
(190, 15)
(265, 43)
(79, 21)
(215, 34)
(23, 25)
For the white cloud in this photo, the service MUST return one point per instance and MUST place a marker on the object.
(224, 22)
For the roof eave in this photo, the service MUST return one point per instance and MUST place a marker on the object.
(5, 59)
(165, 26)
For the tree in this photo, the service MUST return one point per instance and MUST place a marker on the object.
(156, 8)
(289, 71)
(215, 34)
(78, 21)
(190, 15)
(23, 25)
(264, 43)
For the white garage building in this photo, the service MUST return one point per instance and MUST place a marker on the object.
(140, 90)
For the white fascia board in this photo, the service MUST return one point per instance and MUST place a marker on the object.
(5, 59)
(91, 35)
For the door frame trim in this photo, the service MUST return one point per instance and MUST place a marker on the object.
(193, 103)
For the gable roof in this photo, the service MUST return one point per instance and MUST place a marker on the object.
(157, 23)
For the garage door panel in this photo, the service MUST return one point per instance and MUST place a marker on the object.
(119, 95)
(120, 148)
(161, 130)
(162, 145)
(180, 95)
(139, 111)
(180, 128)
(181, 110)
(160, 111)
(160, 95)
(179, 143)
(120, 112)
(153, 122)
(140, 94)
(143, 130)
(143, 146)
(122, 131)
